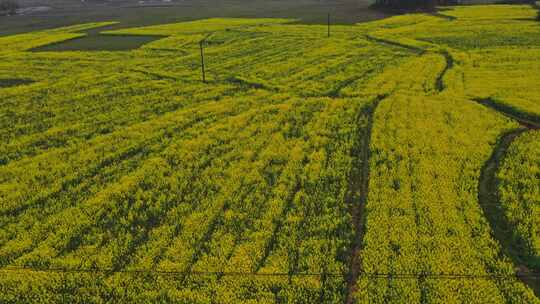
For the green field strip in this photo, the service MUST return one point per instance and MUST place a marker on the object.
(171, 119)
(233, 266)
(28, 41)
(117, 136)
(278, 220)
(156, 137)
(231, 153)
(97, 42)
(85, 127)
(35, 144)
(152, 145)
(208, 235)
(220, 200)
(23, 42)
(238, 196)
(80, 206)
(217, 247)
(268, 54)
(305, 222)
(202, 26)
(240, 59)
(310, 80)
(132, 163)
(103, 220)
(170, 220)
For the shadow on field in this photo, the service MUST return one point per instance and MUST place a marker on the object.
(12, 82)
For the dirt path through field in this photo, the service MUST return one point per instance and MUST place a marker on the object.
(357, 193)
(489, 199)
(358, 189)
(488, 184)
(487, 187)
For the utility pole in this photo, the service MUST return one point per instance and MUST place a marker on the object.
(202, 61)
(328, 24)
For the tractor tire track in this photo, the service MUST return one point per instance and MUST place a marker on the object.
(439, 83)
(528, 121)
(391, 43)
(489, 199)
(488, 184)
(357, 193)
(277, 228)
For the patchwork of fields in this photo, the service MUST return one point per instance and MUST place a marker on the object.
(395, 161)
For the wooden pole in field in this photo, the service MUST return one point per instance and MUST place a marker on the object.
(202, 61)
(328, 24)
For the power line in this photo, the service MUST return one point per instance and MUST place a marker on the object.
(272, 274)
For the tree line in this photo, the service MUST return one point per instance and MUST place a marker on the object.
(431, 4)
(8, 7)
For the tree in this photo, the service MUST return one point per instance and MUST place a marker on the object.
(415, 4)
(9, 6)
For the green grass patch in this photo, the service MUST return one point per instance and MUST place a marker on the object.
(100, 42)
